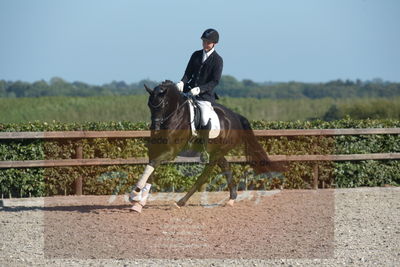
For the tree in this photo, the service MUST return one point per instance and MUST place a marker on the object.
(3, 88)
(332, 114)
(249, 83)
(39, 88)
(20, 89)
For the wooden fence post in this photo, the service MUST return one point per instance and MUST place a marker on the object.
(315, 175)
(315, 165)
(78, 155)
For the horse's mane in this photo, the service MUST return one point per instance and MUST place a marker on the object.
(168, 83)
(171, 87)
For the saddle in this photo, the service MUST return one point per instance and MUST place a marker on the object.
(195, 120)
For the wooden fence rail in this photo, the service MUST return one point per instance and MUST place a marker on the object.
(146, 134)
(79, 161)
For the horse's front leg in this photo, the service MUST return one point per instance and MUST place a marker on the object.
(140, 193)
(141, 190)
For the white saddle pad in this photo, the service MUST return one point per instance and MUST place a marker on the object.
(215, 124)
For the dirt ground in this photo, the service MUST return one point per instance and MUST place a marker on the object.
(327, 227)
(296, 224)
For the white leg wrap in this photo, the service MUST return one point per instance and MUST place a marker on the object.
(140, 196)
(145, 176)
(145, 194)
(136, 195)
(139, 204)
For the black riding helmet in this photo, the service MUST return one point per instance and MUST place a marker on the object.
(210, 35)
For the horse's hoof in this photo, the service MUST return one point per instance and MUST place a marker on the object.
(230, 203)
(176, 206)
(180, 203)
(136, 208)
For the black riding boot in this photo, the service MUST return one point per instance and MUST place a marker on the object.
(204, 136)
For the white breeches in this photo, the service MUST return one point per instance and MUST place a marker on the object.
(206, 111)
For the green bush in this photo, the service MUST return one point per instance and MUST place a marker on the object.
(179, 177)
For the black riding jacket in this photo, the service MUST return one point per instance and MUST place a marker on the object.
(205, 75)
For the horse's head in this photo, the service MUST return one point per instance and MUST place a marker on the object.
(162, 98)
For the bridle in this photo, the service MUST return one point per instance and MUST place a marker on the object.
(164, 119)
(158, 105)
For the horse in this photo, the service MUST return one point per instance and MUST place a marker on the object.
(171, 133)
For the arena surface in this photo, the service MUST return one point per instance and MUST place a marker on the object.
(313, 227)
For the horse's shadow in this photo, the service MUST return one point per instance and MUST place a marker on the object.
(100, 209)
(75, 208)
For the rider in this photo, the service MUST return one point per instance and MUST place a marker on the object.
(202, 75)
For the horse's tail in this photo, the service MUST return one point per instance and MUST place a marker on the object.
(255, 153)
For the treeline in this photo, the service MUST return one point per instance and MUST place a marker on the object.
(228, 87)
(59, 87)
(294, 90)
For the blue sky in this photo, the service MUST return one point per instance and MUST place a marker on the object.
(98, 41)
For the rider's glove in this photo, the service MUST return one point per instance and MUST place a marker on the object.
(195, 91)
(180, 86)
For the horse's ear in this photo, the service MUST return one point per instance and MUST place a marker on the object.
(149, 90)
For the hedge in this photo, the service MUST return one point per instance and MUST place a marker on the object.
(179, 177)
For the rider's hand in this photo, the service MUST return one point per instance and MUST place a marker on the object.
(195, 91)
(180, 86)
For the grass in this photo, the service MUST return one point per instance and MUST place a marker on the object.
(134, 108)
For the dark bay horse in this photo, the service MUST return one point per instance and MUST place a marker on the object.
(171, 133)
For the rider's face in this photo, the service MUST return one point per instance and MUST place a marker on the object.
(207, 45)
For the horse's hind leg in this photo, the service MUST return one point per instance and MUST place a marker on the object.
(226, 168)
(200, 181)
